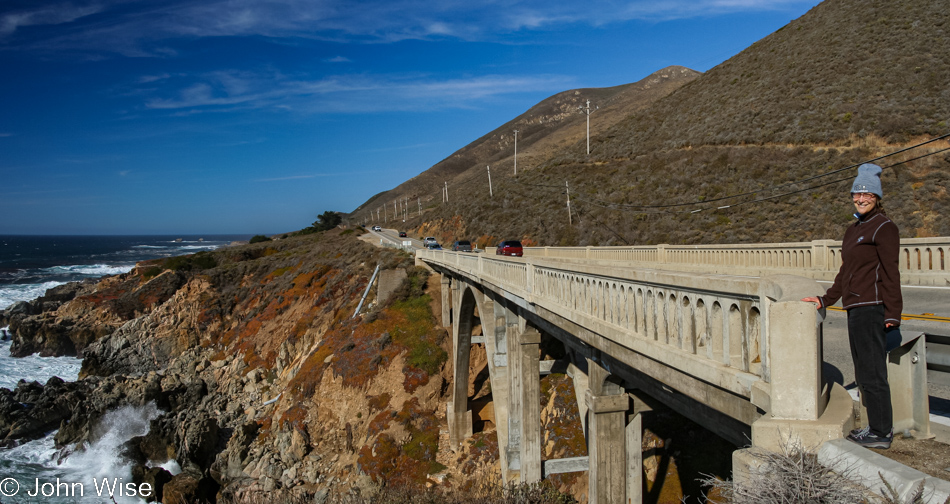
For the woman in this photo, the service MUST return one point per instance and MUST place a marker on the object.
(869, 287)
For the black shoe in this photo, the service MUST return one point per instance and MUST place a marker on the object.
(868, 439)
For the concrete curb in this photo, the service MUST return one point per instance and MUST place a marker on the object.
(862, 466)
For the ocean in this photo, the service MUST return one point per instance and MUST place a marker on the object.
(37, 471)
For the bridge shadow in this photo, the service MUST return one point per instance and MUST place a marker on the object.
(678, 454)
(481, 399)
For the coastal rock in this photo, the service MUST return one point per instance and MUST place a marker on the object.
(35, 335)
(229, 465)
(60, 294)
(200, 442)
(20, 308)
(188, 487)
(32, 410)
(70, 317)
(156, 477)
(157, 446)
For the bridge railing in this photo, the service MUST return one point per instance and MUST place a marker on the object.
(712, 327)
(923, 261)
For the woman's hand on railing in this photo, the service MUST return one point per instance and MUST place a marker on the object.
(813, 299)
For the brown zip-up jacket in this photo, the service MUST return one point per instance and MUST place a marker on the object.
(869, 274)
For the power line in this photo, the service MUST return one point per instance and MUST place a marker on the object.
(617, 206)
(645, 209)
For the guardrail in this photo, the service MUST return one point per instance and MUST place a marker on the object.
(923, 261)
(938, 359)
(714, 326)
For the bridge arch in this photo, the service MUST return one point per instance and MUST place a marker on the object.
(470, 311)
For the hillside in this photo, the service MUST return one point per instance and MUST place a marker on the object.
(552, 124)
(773, 134)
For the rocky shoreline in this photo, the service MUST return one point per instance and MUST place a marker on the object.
(263, 381)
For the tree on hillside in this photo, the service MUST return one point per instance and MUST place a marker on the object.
(328, 220)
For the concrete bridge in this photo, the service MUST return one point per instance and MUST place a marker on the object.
(740, 355)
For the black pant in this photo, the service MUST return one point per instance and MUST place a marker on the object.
(866, 333)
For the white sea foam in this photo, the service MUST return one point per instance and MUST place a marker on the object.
(40, 459)
(90, 269)
(34, 367)
(10, 294)
(100, 459)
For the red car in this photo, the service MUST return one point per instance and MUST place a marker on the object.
(402, 234)
(510, 248)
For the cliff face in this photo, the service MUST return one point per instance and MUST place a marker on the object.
(265, 381)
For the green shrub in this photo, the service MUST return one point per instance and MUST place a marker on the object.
(259, 238)
(151, 272)
(199, 261)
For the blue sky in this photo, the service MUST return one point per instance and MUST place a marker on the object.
(243, 116)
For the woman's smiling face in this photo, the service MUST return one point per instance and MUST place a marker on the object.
(864, 202)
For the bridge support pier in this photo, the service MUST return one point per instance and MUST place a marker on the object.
(446, 285)
(607, 403)
(496, 345)
(524, 408)
(457, 414)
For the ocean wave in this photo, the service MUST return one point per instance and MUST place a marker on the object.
(10, 294)
(198, 247)
(89, 269)
(34, 367)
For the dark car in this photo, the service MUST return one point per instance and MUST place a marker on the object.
(402, 234)
(433, 246)
(462, 246)
(510, 248)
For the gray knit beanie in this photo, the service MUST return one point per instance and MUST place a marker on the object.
(868, 180)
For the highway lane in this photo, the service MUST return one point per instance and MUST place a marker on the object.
(392, 236)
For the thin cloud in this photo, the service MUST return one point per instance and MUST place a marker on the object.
(145, 79)
(149, 29)
(345, 93)
(53, 14)
(338, 59)
(4, 135)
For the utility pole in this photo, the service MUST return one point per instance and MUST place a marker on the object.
(570, 220)
(516, 153)
(446, 191)
(588, 112)
(490, 194)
